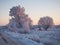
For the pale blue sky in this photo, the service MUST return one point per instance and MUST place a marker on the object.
(34, 8)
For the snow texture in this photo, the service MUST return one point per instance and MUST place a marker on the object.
(34, 37)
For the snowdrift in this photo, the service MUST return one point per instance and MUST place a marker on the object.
(51, 37)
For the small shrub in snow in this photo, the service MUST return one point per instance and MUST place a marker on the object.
(45, 22)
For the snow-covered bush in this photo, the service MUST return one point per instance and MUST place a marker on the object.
(45, 22)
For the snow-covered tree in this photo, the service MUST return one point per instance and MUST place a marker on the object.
(21, 19)
(45, 22)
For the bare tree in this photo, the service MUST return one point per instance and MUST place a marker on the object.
(45, 22)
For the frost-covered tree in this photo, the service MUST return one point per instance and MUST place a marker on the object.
(20, 18)
(45, 22)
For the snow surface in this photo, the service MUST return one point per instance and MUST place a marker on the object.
(34, 37)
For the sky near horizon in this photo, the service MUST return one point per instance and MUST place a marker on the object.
(34, 8)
